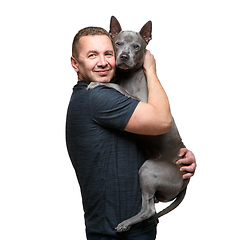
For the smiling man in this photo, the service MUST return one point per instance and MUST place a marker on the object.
(100, 140)
(94, 60)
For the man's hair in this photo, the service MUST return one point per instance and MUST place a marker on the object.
(85, 32)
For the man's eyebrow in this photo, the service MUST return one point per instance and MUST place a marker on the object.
(109, 51)
(95, 51)
(91, 51)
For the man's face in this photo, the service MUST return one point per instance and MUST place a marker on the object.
(95, 61)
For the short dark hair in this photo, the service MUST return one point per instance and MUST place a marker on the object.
(85, 32)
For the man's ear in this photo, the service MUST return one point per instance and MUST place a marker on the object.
(74, 64)
(75, 67)
(146, 31)
(115, 27)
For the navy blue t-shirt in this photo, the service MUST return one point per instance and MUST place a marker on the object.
(106, 158)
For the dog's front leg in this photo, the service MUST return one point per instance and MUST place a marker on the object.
(112, 85)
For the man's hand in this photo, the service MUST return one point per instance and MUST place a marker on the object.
(189, 162)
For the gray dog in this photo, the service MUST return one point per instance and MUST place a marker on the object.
(159, 177)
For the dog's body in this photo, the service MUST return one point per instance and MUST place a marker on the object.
(159, 177)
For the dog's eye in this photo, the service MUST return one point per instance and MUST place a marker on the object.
(118, 43)
(136, 46)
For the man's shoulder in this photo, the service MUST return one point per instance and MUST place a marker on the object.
(109, 107)
(80, 85)
(104, 95)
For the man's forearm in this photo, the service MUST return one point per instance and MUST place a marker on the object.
(154, 117)
(157, 97)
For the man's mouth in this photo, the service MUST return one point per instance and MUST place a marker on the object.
(103, 72)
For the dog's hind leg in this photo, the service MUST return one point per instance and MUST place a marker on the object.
(147, 211)
(148, 196)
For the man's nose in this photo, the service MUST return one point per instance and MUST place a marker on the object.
(102, 62)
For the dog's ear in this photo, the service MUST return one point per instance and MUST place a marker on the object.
(146, 31)
(115, 27)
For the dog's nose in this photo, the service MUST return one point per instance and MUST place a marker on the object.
(124, 57)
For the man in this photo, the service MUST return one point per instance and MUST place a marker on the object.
(101, 138)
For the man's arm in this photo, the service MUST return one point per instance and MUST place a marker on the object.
(154, 117)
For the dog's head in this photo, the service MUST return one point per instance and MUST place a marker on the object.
(129, 46)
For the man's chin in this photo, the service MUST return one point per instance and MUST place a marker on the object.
(104, 79)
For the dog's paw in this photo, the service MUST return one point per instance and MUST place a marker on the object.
(123, 226)
(92, 85)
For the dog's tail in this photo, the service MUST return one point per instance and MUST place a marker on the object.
(174, 204)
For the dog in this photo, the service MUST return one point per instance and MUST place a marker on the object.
(159, 177)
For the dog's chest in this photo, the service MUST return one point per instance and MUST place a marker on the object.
(135, 84)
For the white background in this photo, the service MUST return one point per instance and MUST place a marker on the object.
(197, 48)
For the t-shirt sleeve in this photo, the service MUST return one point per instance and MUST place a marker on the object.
(110, 108)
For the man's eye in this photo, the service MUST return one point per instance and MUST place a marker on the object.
(109, 54)
(92, 55)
